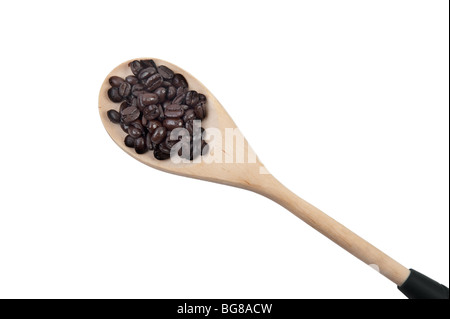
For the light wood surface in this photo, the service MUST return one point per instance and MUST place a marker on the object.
(251, 176)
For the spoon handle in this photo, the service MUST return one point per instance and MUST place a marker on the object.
(403, 277)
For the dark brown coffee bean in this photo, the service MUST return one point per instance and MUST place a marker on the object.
(192, 98)
(200, 110)
(201, 97)
(138, 89)
(166, 84)
(125, 89)
(124, 127)
(146, 73)
(154, 82)
(153, 125)
(159, 135)
(170, 143)
(151, 112)
(163, 148)
(113, 94)
(115, 81)
(130, 114)
(189, 115)
(135, 67)
(161, 113)
(161, 92)
(137, 124)
(123, 106)
(165, 72)
(129, 141)
(179, 99)
(171, 92)
(179, 80)
(145, 99)
(184, 107)
(148, 141)
(172, 123)
(132, 79)
(174, 110)
(139, 145)
(160, 155)
(148, 63)
(113, 116)
(134, 132)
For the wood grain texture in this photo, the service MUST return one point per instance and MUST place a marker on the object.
(251, 176)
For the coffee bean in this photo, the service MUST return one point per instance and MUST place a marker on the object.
(130, 114)
(148, 63)
(151, 112)
(135, 67)
(171, 92)
(163, 148)
(129, 141)
(137, 124)
(125, 89)
(201, 97)
(158, 135)
(189, 115)
(148, 99)
(113, 94)
(174, 110)
(139, 145)
(161, 92)
(146, 73)
(132, 79)
(138, 89)
(161, 113)
(154, 82)
(160, 155)
(115, 81)
(179, 99)
(172, 123)
(166, 84)
(153, 125)
(170, 143)
(123, 106)
(200, 110)
(192, 98)
(113, 116)
(134, 132)
(124, 127)
(179, 80)
(165, 72)
(144, 121)
(148, 141)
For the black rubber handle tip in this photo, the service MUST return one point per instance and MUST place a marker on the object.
(419, 286)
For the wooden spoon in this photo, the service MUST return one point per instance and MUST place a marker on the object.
(253, 176)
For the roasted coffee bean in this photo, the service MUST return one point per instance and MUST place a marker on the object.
(123, 106)
(148, 141)
(151, 112)
(159, 135)
(145, 99)
(146, 73)
(172, 123)
(170, 143)
(125, 89)
(189, 115)
(174, 110)
(166, 84)
(165, 72)
(124, 127)
(163, 148)
(154, 82)
(137, 124)
(160, 155)
(161, 112)
(138, 89)
(139, 145)
(134, 132)
(144, 121)
(200, 110)
(147, 63)
(129, 141)
(171, 92)
(179, 80)
(113, 116)
(179, 99)
(115, 81)
(192, 98)
(132, 79)
(184, 107)
(153, 125)
(161, 92)
(113, 94)
(182, 90)
(201, 97)
(135, 67)
(130, 114)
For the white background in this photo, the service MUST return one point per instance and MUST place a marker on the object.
(361, 89)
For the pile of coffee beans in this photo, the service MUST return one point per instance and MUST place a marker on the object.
(154, 101)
